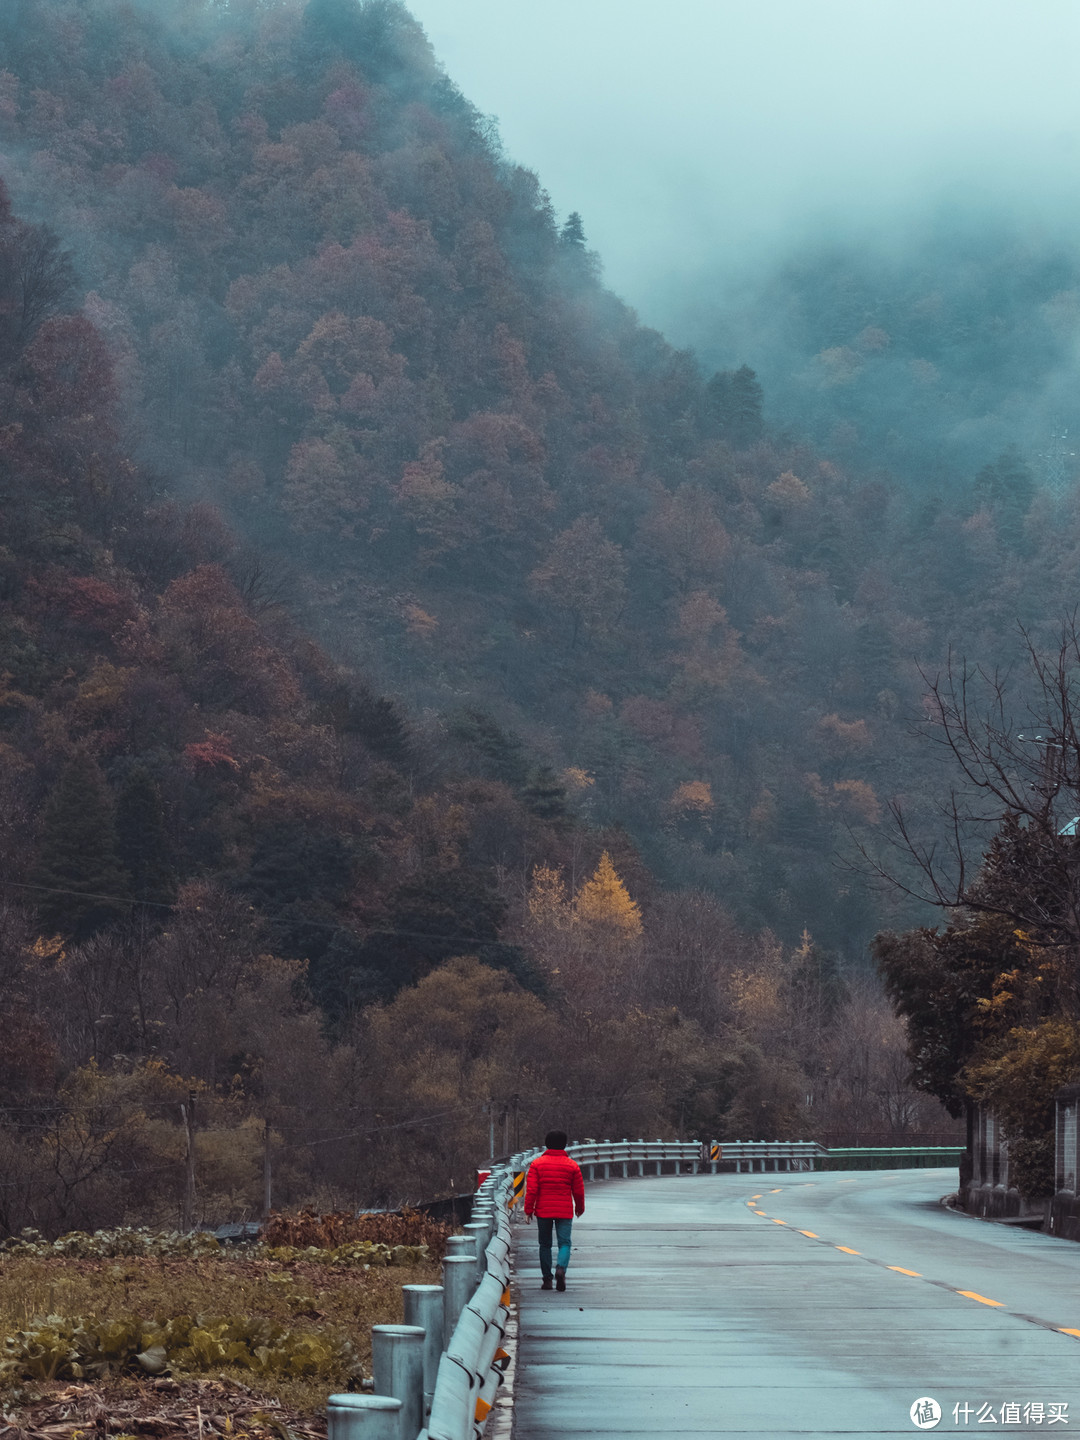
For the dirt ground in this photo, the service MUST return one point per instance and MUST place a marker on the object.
(200, 1409)
(302, 1295)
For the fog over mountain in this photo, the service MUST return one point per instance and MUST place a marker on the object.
(766, 183)
(707, 130)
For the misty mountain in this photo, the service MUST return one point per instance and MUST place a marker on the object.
(925, 352)
(347, 326)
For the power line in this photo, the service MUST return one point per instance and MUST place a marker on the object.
(86, 894)
(263, 918)
(399, 1125)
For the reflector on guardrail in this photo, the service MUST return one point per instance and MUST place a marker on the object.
(519, 1188)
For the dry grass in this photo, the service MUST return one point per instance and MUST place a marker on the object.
(342, 1227)
(303, 1295)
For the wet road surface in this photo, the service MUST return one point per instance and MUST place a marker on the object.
(796, 1305)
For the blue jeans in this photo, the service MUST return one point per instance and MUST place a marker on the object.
(562, 1231)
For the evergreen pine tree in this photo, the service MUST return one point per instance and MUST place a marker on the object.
(718, 401)
(733, 401)
(544, 796)
(142, 844)
(1006, 488)
(492, 752)
(83, 885)
(376, 719)
(817, 982)
(572, 233)
(746, 424)
(579, 265)
(439, 914)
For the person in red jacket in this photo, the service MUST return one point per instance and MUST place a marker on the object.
(554, 1193)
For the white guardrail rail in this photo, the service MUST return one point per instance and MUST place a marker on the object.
(436, 1376)
(600, 1159)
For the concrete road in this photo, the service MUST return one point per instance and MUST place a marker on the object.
(796, 1305)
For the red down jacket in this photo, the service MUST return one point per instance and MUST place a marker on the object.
(554, 1189)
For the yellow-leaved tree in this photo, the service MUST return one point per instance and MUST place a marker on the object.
(608, 978)
(605, 900)
(590, 945)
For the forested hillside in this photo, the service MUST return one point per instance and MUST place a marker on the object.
(340, 315)
(379, 593)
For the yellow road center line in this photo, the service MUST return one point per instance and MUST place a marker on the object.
(750, 1203)
(918, 1275)
(779, 1222)
(776, 1191)
(1070, 1332)
(755, 1197)
(759, 1212)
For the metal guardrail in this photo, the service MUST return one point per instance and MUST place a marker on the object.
(438, 1378)
(603, 1159)
(600, 1159)
(891, 1157)
(471, 1369)
(438, 1374)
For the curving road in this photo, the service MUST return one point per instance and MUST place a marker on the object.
(796, 1305)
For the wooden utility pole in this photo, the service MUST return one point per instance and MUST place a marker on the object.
(188, 1112)
(268, 1196)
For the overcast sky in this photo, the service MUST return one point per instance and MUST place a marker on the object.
(691, 131)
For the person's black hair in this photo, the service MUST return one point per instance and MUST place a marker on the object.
(555, 1140)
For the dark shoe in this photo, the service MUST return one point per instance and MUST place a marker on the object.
(560, 1277)
(545, 1284)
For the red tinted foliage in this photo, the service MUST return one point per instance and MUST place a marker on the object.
(209, 753)
(72, 369)
(94, 601)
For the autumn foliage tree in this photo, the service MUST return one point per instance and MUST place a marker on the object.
(992, 1002)
(605, 901)
(584, 576)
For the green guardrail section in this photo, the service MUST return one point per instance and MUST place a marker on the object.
(874, 1157)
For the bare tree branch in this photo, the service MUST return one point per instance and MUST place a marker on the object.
(1015, 741)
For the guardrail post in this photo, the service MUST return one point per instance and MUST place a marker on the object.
(363, 1417)
(397, 1356)
(461, 1245)
(459, 1282)
(479, 1231)
(484, 1215)
(424, 1309)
